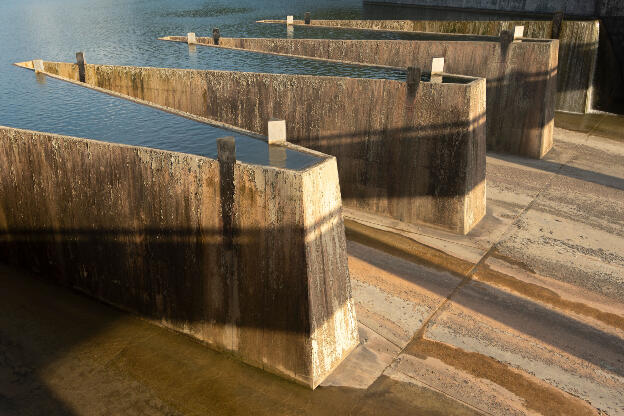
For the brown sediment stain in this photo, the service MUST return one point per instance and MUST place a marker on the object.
(537, 395)
(405, 248)
(494, 253)
(536, 292)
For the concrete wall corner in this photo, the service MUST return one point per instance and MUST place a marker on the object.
(333, 324)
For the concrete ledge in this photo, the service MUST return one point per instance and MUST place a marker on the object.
(520, 103)
(249, 259)
(414, 154)
(578, 47)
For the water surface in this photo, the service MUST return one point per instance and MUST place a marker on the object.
(125, 32)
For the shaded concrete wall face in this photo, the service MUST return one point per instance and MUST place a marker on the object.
(249, 259)
(415, 156)
(521, 77)
(578, 48)
(574, 7)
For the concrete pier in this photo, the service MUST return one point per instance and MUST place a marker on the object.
(521, 76)
(248, 259)
(416, 155)
(578, 49)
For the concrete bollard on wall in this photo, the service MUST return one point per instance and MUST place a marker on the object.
(518, 33)
(190, 38)
(276, 131)
(38, 65)
(437, 68)
(290, 20)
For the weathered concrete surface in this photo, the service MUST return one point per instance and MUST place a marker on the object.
(448, 324)
(539, 315)
(578, 49)
(414, 153)
(520, 97)
(570, 7)
(249, 259)
(598, 124)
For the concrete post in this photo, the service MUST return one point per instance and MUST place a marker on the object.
(506, 37)
(556, 25)
(437, 68)
(190, 38)
(80, 61)
(307, 18)
(216, 35)
(38, 65)
(226, 155)
(518, 33)
(276, 131)
(413, 80)
(226, 149)
(290, 20)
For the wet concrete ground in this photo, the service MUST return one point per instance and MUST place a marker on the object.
(596, 124)
(525, 315)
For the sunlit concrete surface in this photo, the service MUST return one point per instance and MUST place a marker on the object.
(524, 315)
(535, 321)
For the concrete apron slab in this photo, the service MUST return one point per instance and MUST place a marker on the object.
(537, 323)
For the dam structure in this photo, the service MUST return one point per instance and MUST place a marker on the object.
(587, 71)
(249, 259)
(412, 151)
(571, 7)
(521, 75)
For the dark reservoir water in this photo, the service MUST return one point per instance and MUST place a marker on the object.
(125, 32)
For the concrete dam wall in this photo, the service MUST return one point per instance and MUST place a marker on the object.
(414, 152)
(578, 48)
(572, 7)
(521, 76)
(249, 259)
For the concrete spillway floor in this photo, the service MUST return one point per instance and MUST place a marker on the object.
(525, 315)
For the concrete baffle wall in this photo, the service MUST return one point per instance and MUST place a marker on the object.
(414, 153)
(578, 48)
(249, 259)
(521, 76)
(572, 7)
